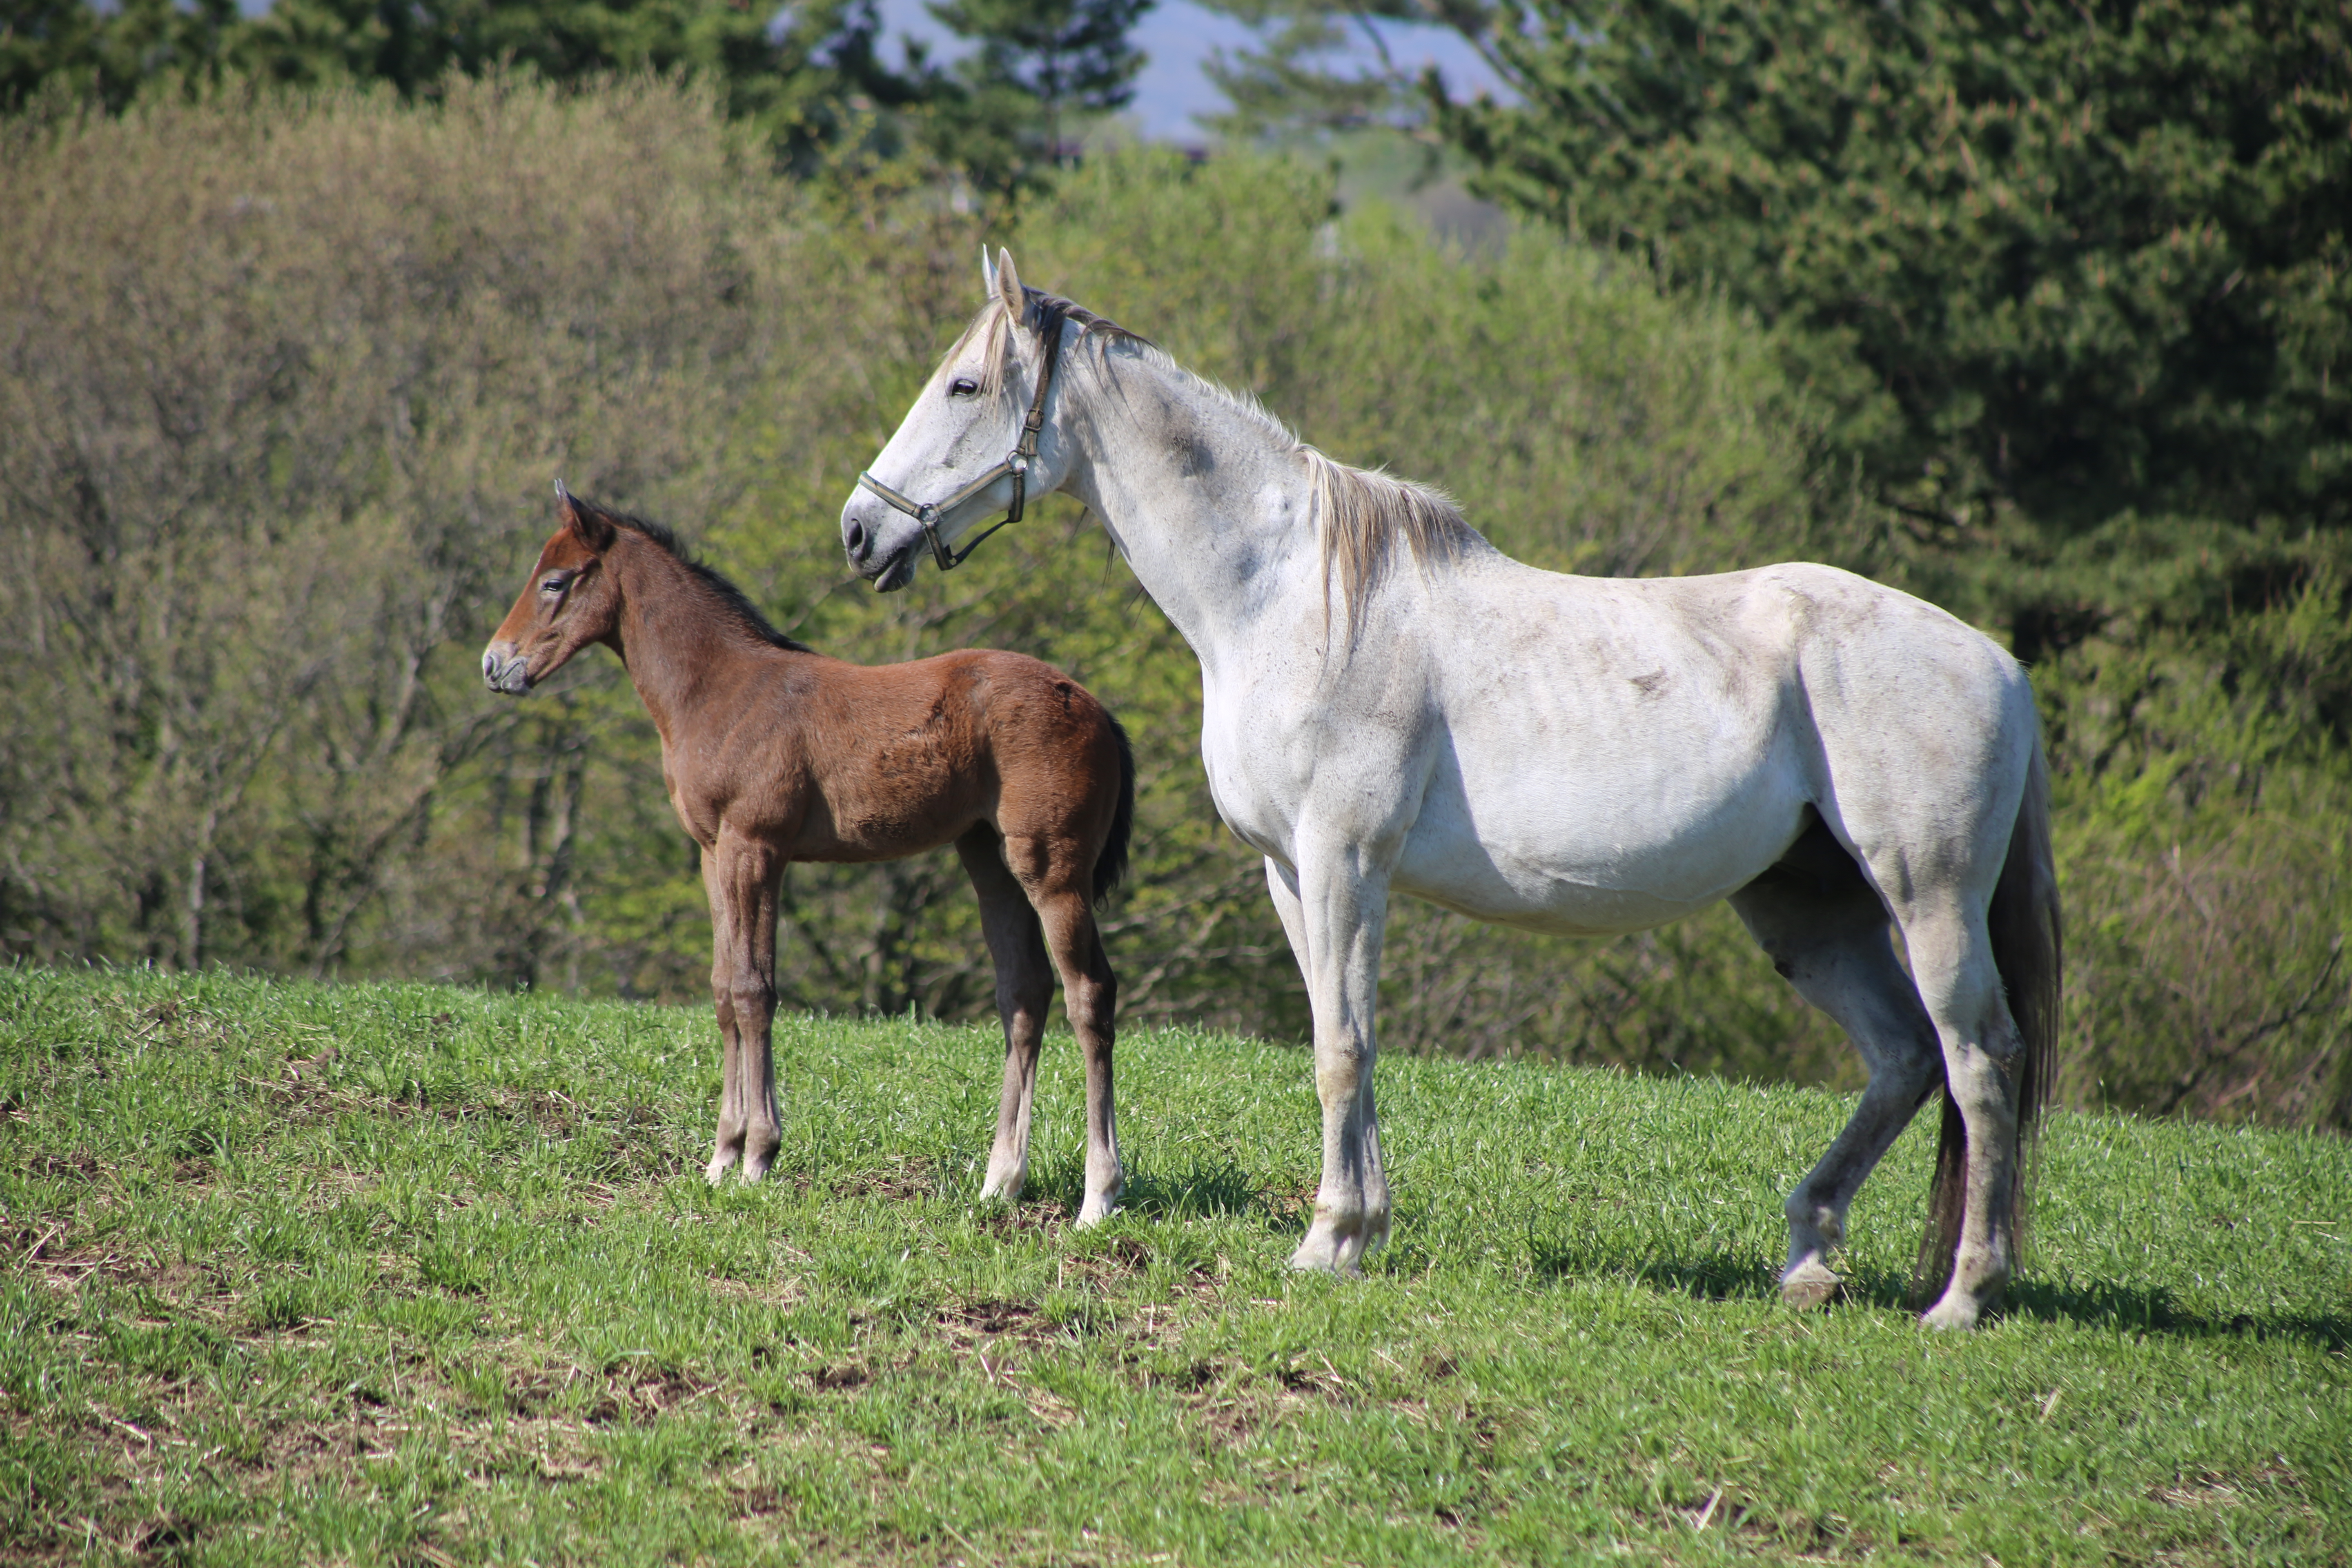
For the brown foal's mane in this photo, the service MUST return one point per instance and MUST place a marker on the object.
(733, 600)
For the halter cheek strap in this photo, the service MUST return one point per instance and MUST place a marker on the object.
(1050, 317)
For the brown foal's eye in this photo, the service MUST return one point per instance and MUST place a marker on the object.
(962, 386)
(555, 585)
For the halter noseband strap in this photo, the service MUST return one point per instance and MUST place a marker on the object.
(1051, 314)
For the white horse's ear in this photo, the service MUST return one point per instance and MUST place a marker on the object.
(1008, 284)
(987, 271)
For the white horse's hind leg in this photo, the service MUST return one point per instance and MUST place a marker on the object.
(1827, 934)
(1951, 954)
(1335, 910)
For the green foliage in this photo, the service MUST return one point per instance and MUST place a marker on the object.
(281, 374)
(1281, 88)
(2206, 806)
(1041, 68)
(2091, 259)
(1296, 84)
(69, 50)
(792, 74)
(809, 79)
(400, 1273)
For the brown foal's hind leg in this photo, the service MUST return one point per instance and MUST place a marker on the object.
(1093, 1002)
(741, 875)
(1024, 988)
(1057, 884)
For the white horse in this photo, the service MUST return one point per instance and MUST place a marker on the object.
(1394, 706)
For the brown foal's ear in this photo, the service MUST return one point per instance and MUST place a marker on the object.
(589, 524)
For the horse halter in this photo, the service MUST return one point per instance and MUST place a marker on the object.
(1051, 314)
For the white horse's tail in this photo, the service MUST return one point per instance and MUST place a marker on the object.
(2029, 948)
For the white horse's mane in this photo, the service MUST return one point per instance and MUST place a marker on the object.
(1360, 513)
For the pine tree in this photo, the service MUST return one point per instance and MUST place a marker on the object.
(75, 52)
(2090, 258)
(799, 77)
(1042, 65)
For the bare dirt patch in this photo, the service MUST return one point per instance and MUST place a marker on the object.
(899, 1181)
(1030, 1217)
(638, 1394)
(993, 1319)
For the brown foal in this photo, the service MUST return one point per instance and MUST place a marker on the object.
(774, 753)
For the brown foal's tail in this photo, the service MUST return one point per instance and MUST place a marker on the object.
(2029, 948)
(1110, 866)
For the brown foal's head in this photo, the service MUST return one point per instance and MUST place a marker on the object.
(570, 602)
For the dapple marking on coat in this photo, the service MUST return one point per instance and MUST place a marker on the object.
(1391, 705)
(774, 753)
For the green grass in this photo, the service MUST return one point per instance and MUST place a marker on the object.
(369, 1274)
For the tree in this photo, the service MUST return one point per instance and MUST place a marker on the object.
(1039, 64)
(806, 74)
(72, 49)
(2063, 262)
(1285, 87)
(793, 75)
(2093, 259)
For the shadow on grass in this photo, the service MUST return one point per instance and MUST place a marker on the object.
(2146, 1310)
(1711, 1276)
(2151, 1309)
(1196, 1191)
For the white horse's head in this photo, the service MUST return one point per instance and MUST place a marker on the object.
(960, 457)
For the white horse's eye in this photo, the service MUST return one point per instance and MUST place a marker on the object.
(962, 386)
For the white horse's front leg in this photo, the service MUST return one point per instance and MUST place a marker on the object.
(1339, 904)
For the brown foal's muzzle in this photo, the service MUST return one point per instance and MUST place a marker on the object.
(505, 670)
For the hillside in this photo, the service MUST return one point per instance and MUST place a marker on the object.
(429, 1275)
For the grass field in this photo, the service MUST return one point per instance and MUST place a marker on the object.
(399, 1274)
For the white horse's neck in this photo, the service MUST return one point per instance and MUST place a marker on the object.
(1208, 500)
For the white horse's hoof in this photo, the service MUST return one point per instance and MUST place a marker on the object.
(1327, 1250)
(1809, 1287)
(1951, 1313)
(1306, 1261)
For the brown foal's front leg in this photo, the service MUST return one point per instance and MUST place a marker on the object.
(742, 876)
(1024, 988)
(730, 1141)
